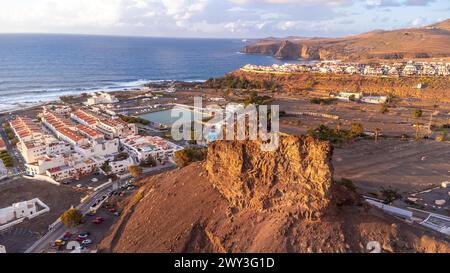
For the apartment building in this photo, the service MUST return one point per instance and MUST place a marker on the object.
(25, 129)
(34, 149)
(113, 128)
(141, 147)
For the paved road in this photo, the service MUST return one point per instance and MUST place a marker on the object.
(59, 229)
(18, 161)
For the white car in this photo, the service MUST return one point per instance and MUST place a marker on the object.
(86, 242)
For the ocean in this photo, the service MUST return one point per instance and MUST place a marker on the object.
(37, 68)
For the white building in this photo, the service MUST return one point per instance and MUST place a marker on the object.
(98, 148)
(25, 129)
(34, 149)
(349, 96)
(121, 166)
(374, 99)
(101, 98)
(22, 210)
(142, 147)
(113, 128)
(75, 171)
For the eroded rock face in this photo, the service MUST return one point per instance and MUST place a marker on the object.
(296, 178)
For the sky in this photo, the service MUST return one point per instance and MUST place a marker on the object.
(217, 18)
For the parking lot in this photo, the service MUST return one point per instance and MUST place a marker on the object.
(94, 226)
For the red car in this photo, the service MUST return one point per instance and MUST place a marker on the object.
(98, 221)
(112, 210)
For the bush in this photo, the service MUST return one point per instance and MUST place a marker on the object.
(440, 137)
(71, 217)
(357, 129)
(321, 101)
(347, 183)
(233, 82)
(148, 162)
(417, 113)
(334, 135)
(8, 161)
(134, 120)
(135, 171)
(189, 155)
(389, 195)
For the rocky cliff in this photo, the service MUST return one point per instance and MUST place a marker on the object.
(245, 200)
(425, 42)
(296, 178)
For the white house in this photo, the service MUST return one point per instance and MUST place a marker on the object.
(374, 99)
(141, 147)
(101, 98)
(22, 210)
(348, 96)
(121, 166)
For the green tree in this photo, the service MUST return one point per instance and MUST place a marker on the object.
(71, 217)
(389, 195)
(148, 162)
(105, 166)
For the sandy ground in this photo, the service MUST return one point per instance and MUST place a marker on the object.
(397, 121)
(405, 165)
(58, 198)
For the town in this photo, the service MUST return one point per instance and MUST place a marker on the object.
(65, 143)
(396, 69)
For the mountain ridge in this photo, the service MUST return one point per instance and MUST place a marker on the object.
(408, 43)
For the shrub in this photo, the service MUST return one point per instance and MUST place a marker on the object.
(347, 183)
(189, 155)
(357, 129)
(389, 195)
(321, 101)
(148, 162)
(440, 137)
(135, 171)
(417, 113)
(71, 217)
(334, 135)
(134, 120)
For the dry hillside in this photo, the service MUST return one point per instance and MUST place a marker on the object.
(427, 42)
(245, 200)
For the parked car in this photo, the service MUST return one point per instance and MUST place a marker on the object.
(84, 235)
(98, 220)
(59, 243)
(86, 242)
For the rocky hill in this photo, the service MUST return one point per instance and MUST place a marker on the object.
(245, 200)
(426, 42)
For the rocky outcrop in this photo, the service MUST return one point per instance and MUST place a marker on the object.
(245, 200)
(297, 177)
